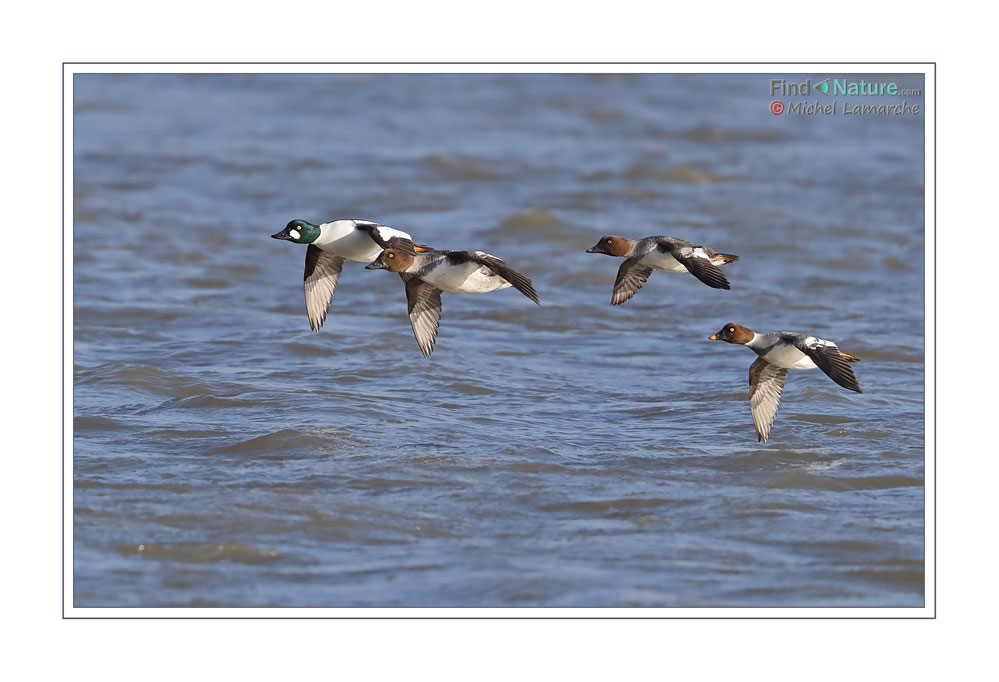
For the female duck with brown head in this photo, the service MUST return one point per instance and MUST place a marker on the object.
(780, 352)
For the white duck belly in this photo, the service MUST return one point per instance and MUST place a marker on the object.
(466, 278)
(343, 238)
(662, 261)
(789, 357)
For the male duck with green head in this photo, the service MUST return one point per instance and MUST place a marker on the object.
(330, 244)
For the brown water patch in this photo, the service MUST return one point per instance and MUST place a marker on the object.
(678, 174)
(459, 168)
(600, 506)
(186, 433)
(80, 512)
(853, 260)
(532, 222)
(308, 163)
(216, 237)
(285, 309)
(241, 270)
(98, 485)
(87, 217)
(806, 481)
(604, 115)
(710, 133)
(815, 282)
(308, 349)
(897, 264)
(474, 389)
(285, 439)
(132, 186)
(892, 356)
(875, 434)
(188, 257)
(913, 579)
(208, 283)
(243, 168)
(847, 231)
(838, 546)
(376, 483)
(789, 506)
(95, 423)
(538, 468)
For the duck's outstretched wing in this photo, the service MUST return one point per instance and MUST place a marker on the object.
(830, 360)
(424, 312)
(519, 282)
(405, 245)
(322, 272)
(630, 278)
(766, 383)
(396, 242)
(698, 263)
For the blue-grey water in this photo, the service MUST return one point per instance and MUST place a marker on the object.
(575, 454)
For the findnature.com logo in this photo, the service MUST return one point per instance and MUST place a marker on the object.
(845, 87)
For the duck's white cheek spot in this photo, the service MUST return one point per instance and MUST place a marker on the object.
(296, 235)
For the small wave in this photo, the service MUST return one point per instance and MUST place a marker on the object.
(211, 401)
(589, 506)
(202, 552)
(121, 315)
(143, 378)
(84, 484)
(285, 439)
(472, 389)
(186, 433)
(790, 506)
(96, 423)
(806, 481)
(324, 441)
(821, 418)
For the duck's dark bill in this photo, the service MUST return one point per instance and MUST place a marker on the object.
(375, 265)
(283, 234)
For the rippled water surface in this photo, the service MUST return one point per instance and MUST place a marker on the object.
(576, 454)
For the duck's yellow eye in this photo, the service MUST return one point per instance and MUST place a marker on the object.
(391, 255)
(299, 228)
(608, 241)
(731, 329)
